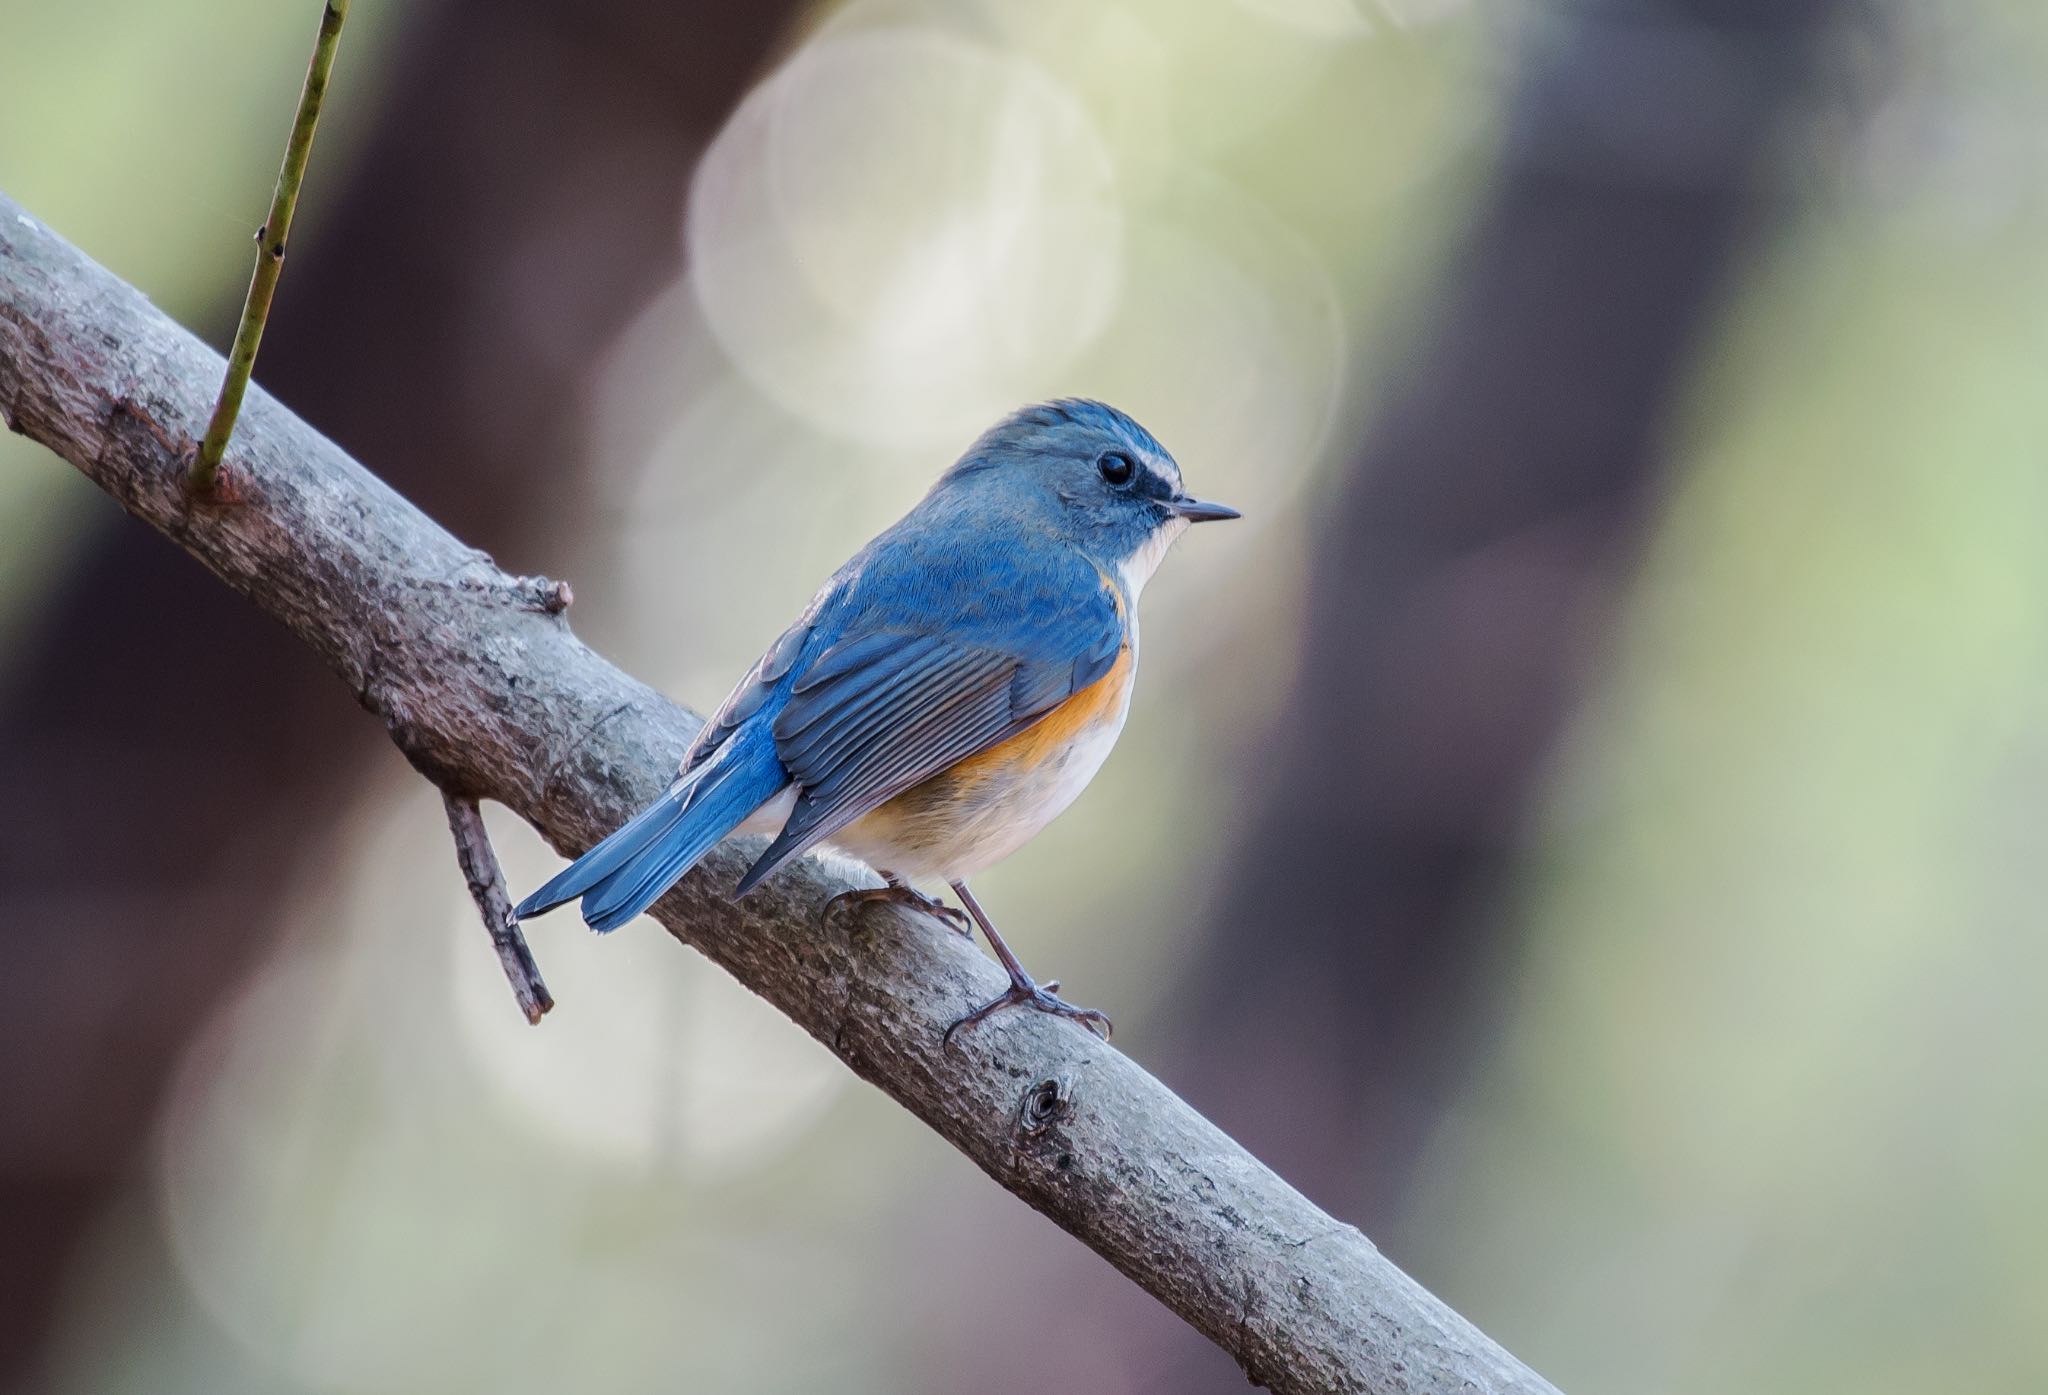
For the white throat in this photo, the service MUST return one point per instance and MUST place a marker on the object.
(1135, 570)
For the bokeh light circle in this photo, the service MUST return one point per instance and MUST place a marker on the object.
(898, 228)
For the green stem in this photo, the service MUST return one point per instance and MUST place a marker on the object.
(270, 244)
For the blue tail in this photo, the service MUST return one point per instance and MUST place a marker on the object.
(628, 871)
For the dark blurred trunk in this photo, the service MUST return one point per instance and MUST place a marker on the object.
(1466, 571)
(171, 760)
(1467, 574)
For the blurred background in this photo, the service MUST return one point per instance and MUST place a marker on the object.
(1587, 827)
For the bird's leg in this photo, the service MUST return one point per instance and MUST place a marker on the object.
(1023, 991)
(902, 893)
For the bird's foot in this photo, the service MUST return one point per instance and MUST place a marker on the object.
(1022, 992)
(897, 894)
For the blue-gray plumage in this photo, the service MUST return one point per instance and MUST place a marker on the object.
(945, 695)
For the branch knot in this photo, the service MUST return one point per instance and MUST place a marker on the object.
(1045, 1104)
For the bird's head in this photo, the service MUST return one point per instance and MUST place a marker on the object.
(1090, 475)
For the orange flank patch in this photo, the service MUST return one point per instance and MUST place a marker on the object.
(926, 812)
(1052, 733)
(979, 809)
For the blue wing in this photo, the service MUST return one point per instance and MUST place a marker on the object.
(944, 653)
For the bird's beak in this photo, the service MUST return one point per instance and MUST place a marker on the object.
(1201, 510)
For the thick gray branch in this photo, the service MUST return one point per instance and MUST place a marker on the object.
(484, 688)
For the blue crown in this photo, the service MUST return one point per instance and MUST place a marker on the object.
(1052, 428)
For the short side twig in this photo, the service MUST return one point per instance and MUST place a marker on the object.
(487, 888)
(270, 245)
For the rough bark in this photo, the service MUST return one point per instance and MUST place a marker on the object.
(481, 684)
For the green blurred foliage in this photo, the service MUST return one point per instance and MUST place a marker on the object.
(1769, 1111)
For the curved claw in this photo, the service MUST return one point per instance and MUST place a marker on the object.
(1041, 999)
(953, 916)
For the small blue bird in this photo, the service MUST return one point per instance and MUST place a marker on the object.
(945, 695)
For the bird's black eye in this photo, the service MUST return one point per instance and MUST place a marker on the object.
(1116, 467)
